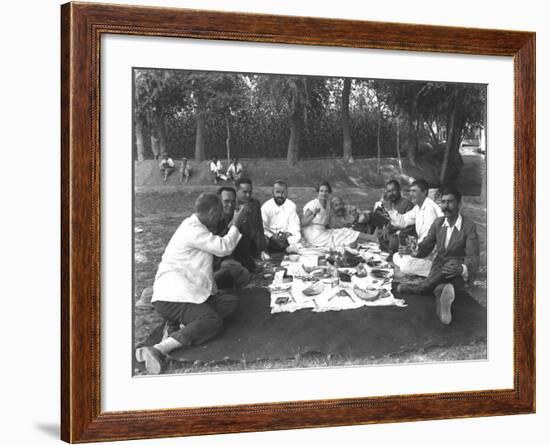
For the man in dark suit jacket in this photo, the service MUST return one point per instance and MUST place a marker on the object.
(456, 260)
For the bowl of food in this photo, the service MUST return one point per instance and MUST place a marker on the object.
(369, 294)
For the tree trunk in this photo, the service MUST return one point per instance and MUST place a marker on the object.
(398, 149)
(296, 120)
(199, 137)
(411, 153)
(452, 161)
(379, 150)
(140, 145)
(416, 131)
(160, 130)
(346, 130)
(294, 140)
(227, 139)
(155, 145)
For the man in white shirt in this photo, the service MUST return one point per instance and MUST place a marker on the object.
(423, 214)
(166, 165)
(184, 292)
(235, 170)
(215, 169)
(280, 220)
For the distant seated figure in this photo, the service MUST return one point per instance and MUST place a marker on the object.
(232, 271)
(216, 168)
(346, 215)
(166, 165)
(316, 220)
(457, 258)
(252, 227)
(280, 221)
(185, 170)
(235, 170)
(422, 216)
(392, 200)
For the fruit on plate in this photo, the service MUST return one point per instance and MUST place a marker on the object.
(315, 289)
(322, 273)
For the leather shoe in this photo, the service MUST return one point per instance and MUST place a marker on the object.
(444, 297)
(153, 358)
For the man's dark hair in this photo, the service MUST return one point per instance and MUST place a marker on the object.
(227, 189)
(422, 184)
(213, 156)
(240, 181)
(326, 184)
(280, 182)
(452, 191)
(395, 182)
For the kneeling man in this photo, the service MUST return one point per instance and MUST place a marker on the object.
(456, 260)
(184, 292)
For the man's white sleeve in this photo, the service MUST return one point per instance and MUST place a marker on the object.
(402, 221)
(217, 245)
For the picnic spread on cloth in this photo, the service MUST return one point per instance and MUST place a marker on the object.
(335, 279)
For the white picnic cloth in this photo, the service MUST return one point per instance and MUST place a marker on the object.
(328, 300)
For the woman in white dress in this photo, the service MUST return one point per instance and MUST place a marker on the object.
(315, 223)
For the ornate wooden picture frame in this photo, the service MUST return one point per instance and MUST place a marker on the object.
(82, 26)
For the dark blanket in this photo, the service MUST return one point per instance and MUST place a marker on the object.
(370, 332)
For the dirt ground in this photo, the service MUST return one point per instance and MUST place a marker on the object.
(160, 210)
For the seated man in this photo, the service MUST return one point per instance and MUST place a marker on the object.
(235, 169)
(424, 213)
(280, 221)
(252, 226)
(232, 271)
(184, 291)
(457, 257)
(392, 200)
(347, 216)
(166, 165)
(185, 170)
(215, 169)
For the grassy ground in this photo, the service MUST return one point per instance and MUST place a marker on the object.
(158, 213)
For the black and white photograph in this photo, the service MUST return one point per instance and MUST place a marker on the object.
(299, 221)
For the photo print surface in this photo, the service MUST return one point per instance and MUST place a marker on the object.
(292, 221)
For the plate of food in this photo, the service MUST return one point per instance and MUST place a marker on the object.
(380, 273)
(377, 263)
(279, 288)
(322, 273)
(368, 294)
(314, 289)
